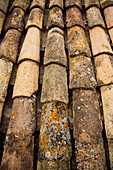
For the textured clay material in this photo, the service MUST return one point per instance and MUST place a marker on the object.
(77, 42)
(38, 3)
(54, 133)
(77, 3)
(90, 3)
(55, 18)
(81, 74)
(58, 3)
(2, 17)
(5, 74)
(21, 4)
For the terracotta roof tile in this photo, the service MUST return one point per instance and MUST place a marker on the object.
(15, 20)
(108, 12)
(81, 73)
(55, 18)
(58, 3)
(54, 133)
(74, 17)
(31, 45)
(1, 109)
(27, 79)
(105, 3)
(2, 18)
(55, 50)
(21, 4)
(77, 3)
(104, 69)
(38, 3)
(9, 45)
(35, 18)
(19, 135)
(99, 41)
(90, 3)
(77, 42)
(4, 5)
(94, 18)
(5, 74)
(54, 84)
(87, 129)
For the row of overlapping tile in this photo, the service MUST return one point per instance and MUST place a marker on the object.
(55, 143)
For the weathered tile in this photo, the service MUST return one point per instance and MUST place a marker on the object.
(105, 3)
(55, 18)
(99, 41)
(4, 5)
(77, 3)
(18, 149)
(27, 79)
(107, 100)
(54, 84)
(77, 42)
(58, 3)
(81, 74)
(15, 20)
(31, 45)
(53, 165)
(9, 45)
(38, 3)
(94, 17)
(74, 17)
(110, 148)
(21, 4)
(104, 69)
(108, 13)
(90, 156)
(86, 116)
(90, 3)
(55, 141)
(2, 18)
(5, 74)
(55, 49)
(111, 34)
(35, 18)
(1, 109)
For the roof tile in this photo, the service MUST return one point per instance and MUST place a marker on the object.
(81, 73)
(55, 49)
(21, 4)
(108, 12)
(54, 84)
(77, 3)
(27, 79)
(107, 100)
(55, 18)
(94, 17)
(31, 45)
(54, 128)
(87, 125)
(74, 17)
(90, 3)
(5, 74)
(20, 134)
(9, 45)
(77, 42)
(104, 69)
(2, 18)
(99, 41)
(15, 20)
(105, 3)
(42, 165)
(35, 18)
(38, 3)
(90, 156)
(110, 148)
(4, 5)
(58, 3)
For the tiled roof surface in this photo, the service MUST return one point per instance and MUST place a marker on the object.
(56, 84)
